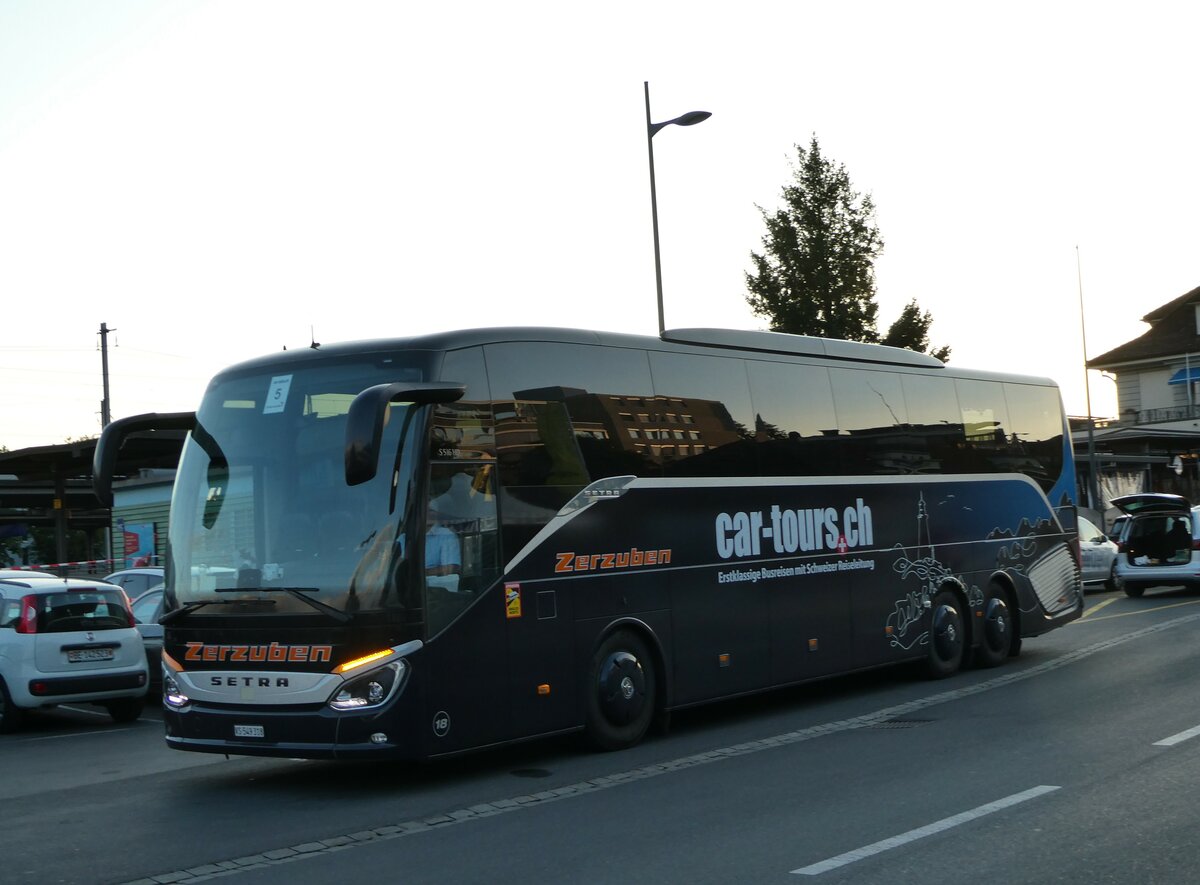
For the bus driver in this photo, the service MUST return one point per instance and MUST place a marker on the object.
(443, 554)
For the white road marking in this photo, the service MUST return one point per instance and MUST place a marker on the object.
(74, 734)
(1178, 738)
(921, 832)
(81, 710)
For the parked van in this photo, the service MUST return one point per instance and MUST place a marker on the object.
(1159, 543)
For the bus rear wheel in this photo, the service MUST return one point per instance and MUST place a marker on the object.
(946, 636)
(996, 641)
(621, 692)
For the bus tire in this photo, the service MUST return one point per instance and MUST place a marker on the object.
(946, 635)
(620, 692)
(998, 627)
(10, 714)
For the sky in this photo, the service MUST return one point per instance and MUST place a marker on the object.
(215, 181)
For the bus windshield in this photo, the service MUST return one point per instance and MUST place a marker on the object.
(261, 512)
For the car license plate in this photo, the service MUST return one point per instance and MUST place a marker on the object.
(248, 731)
(79, 655)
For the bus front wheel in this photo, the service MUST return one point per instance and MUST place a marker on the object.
(946, 636)
(621, 692)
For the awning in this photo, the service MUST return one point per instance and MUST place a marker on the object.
(1192, 373)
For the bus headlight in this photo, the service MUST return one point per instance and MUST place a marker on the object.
(172, 696)
(371, 689)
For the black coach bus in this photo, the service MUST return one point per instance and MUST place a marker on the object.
(422, 546)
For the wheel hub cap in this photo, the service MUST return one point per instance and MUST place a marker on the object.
(622, 688)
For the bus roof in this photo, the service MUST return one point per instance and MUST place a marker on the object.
(740, 340)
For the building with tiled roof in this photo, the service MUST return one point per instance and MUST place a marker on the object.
(1154, 445)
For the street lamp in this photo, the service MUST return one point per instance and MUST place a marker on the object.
(1093, 468)
(689, 119)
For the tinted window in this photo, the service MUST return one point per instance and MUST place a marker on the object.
(795, 424)
(606, 392)
(463, 431)
(933, 414)
(541, 466)
(872, 421)
(1036, 431)
(613, 434)
(701, 422)
(466, 367)
(529, 365)
(986, 427)
(462, 553)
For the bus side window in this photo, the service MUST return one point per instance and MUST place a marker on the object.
(464, 498)
(540, 466)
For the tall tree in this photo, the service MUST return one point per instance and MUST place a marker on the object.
(911, 330)
(816, 274)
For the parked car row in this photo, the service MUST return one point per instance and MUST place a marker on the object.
(72, 640)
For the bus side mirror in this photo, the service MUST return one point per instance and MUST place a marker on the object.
(364, 421)
(108, 447)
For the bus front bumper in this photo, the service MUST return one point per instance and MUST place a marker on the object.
(295, 734)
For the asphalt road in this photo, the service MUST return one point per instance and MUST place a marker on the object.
(1076, 762)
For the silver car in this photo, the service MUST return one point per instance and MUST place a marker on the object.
(136, 581)
(147, 609)
(1159, 544)
(1098, 555)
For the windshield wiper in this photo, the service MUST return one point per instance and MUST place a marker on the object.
(186, 609)
(298, 592)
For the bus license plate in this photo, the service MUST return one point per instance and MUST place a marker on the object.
(79, 655)
(248, 731)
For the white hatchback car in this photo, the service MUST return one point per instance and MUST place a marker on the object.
(64, 640)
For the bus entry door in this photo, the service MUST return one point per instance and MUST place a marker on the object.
(540, 655)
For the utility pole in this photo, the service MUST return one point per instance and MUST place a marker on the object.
(105, 412)
(105, 417)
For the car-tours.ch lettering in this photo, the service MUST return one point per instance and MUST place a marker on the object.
(788, 531)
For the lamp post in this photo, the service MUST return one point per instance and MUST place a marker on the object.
(689, 119)
(1093, 485)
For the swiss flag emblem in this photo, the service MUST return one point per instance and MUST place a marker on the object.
(842, 546)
